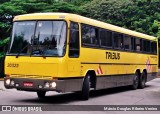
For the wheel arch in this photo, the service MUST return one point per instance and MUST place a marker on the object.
(138, 71)
(93, 77)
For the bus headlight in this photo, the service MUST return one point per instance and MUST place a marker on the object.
(46, 85)
(12, 83)
(53, 84)
(8, 81)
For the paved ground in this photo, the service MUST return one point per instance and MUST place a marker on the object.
(115, 96)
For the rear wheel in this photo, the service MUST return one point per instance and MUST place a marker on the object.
(85, 88)
(41, 94)
(142, 80)
(135, 81)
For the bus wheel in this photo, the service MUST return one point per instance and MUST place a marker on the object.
(85, 88)
(142, 80)
(135, 81)
(41, 94)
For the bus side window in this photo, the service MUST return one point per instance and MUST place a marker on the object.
(153, 47)
(146, 46)
(90, 36)
(105, 38)
(127, 42)
(138, 44)
(94, 36)
(74, 40)
(118, 41)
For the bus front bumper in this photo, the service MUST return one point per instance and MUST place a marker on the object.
(43, 85)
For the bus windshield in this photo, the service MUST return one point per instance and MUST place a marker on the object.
(38, 38)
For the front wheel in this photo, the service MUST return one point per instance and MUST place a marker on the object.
(85, 88)
(41, 94)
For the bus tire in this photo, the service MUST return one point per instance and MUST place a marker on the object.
(85, 88)
(135, 81)
(41, 94)
(142, 80)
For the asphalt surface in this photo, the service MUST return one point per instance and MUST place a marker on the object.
(150, 95)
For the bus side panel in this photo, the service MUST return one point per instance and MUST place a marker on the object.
(113, 81)
(113, 72)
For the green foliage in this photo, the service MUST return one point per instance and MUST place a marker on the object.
(107, 10)
(78, 2)
(156, 28)
(2, 54)
(11, 8)
(3, 43)
(63, 7)
(138, 15)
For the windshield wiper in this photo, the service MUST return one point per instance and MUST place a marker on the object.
(22, 50)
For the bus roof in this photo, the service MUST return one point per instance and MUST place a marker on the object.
(81, 19)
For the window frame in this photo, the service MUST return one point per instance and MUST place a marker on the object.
(11, 54)
(146, 41)
(122, 40)
(131, 46)
(108, 47)
(133, 42)
(155, 48)
(90, 45)
(70, 37)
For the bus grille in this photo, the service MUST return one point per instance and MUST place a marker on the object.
(30, 76)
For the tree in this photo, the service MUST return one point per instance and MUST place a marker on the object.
(107, 10)
(11, 8)
(138, 15)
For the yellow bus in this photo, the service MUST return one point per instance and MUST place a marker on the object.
(68, 53)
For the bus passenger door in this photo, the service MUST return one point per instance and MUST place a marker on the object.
(74, 50)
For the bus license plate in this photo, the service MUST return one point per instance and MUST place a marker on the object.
(28, 84)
